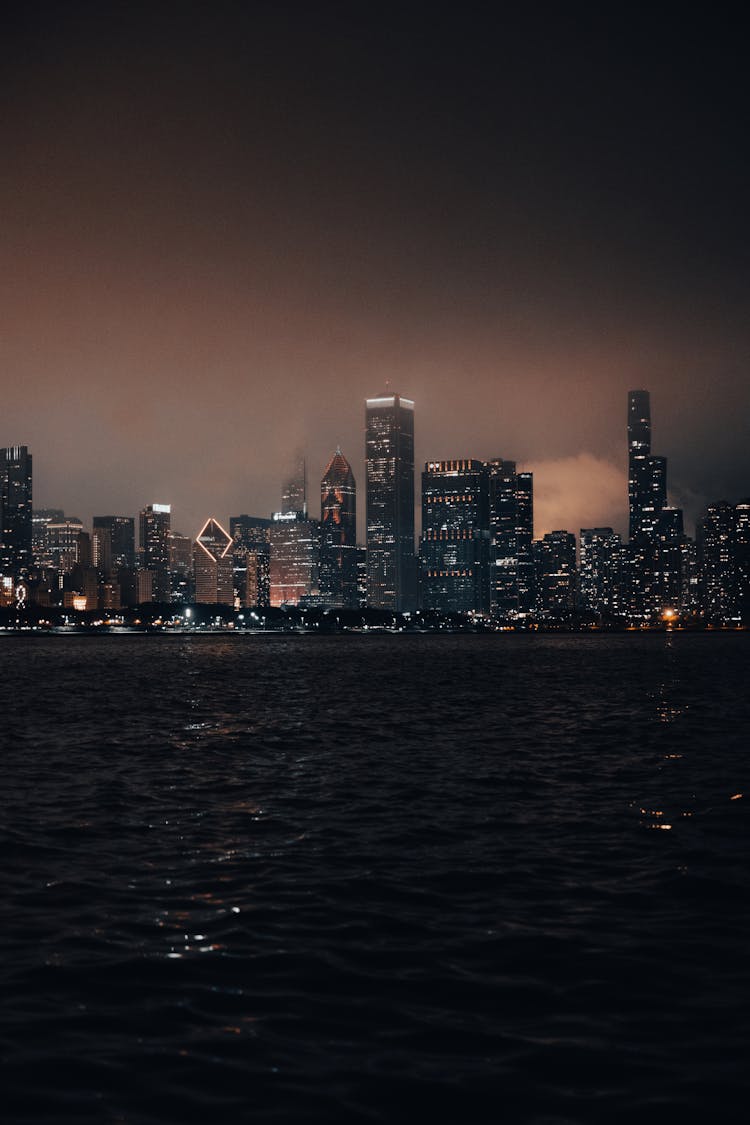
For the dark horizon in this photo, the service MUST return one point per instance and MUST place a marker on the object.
(225, 229)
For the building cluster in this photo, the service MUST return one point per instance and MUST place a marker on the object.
(476, 553)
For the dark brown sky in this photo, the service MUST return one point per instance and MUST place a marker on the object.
(224, 225)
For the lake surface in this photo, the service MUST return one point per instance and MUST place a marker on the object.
(374, 879)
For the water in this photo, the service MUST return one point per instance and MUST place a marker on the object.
(374, 879)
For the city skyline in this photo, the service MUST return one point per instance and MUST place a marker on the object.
(224, 230)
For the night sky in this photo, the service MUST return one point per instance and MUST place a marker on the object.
(223, 226)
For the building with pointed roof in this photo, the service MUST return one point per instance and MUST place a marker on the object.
(338, 535)
(212, 563)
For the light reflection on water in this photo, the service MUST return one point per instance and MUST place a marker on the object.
(389, 870)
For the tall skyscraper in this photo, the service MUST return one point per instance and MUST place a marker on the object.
(251, 555)
(511, 522)
(155, 525)
(338, 534)
(15, 511)
(295, 555)
(454, 548)
(555, 556)
(294, 489)
(389, 453)
(113, 543)
(212, 563)
(601, 571)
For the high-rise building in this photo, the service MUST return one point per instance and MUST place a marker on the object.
(15, 511)
(155, 525)
(181, 571)
(212, 562)
(294, 489)
(511, 523)
(555, 557)
(295, 555)
(389, 453)
(251, 559)
(454, 548)
(723, 536)
(338, 534)
(113, 543)
(40, 518)
(601, 572)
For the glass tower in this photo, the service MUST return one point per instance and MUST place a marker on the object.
(389, 454)
(15, 511)
(338, 534)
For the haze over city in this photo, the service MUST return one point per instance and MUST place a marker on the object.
(224, 228)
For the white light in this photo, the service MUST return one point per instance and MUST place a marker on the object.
(161, 508)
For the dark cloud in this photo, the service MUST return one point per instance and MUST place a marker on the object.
(224, 227)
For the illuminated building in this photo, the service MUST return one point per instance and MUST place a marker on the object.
(454, 547)
(113, 543)
(511, 525)
(251, 560)
(212, 563)
(40, 518)
(724, 561)
(155, 525)
(555, 559)
(61, 544)
(15, 510)
(136, 586)
(601, 571)
(182, 581)
(295, 554)
(294, 490)
(389, 453)
(338, 534)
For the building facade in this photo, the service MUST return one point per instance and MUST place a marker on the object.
(454, 548)
(15, 511)
(155, 526)
(212, 565)
(338, 535)
(389, 456)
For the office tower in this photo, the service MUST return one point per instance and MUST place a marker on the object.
(295, 554)
(61, 544)
(454, 548)
(294, 489)
(15, 511)
(742, 558)
(601, 572)
(511, 524)
(338, 534)
(40, 518)
(155, 524)
(113, 543)
(555, 558)
(212, 563)
(181, 576)
(361, 576)
(723, 539)
(389, 453)
(647, 474)
(251, 560)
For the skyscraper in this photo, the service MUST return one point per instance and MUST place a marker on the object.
(155, 525)
(338, 534)
(601, 571)
(389, 453)
(511, 522)
(15, 511)
(555, 556)
(114, 542)
(295, 555)
(654, 554)
(212, 563)
(294, 489)
(454, 548)
(251, 555)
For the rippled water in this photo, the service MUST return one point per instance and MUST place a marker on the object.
(374, 879)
